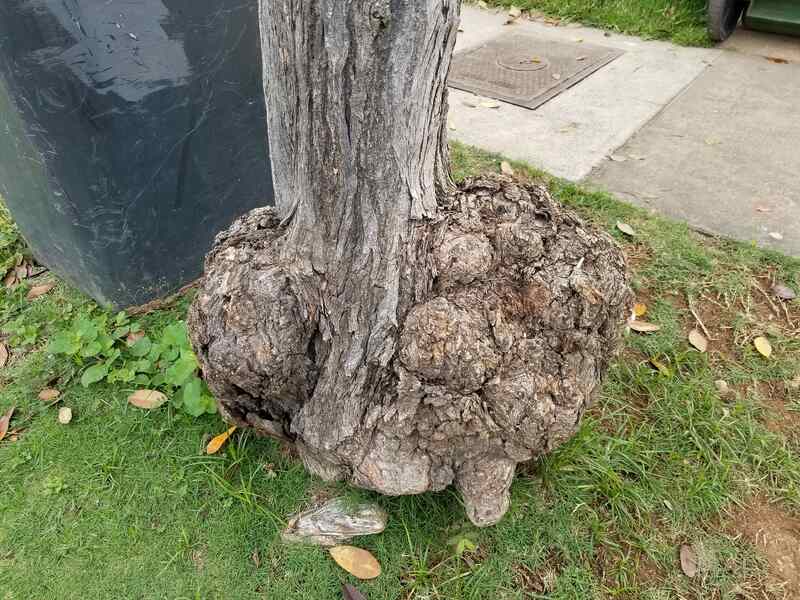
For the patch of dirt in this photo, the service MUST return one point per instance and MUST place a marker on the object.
(778, 418)
(776, 536)
(541, 580)
(198, 556)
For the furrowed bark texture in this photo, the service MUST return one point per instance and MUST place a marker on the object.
(402, 334)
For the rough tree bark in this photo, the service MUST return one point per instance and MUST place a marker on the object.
(402, 334)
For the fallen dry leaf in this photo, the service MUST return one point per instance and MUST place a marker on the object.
(256, 558)
(506, 168)
(712, 141)
(644, 326)
(490, 104)
(147, 399)
(3, 355)
(49, 394)
(451, 126)
(556, 76)
(64, 415)
(777, 60)
(763, 346)
(722, 387)
(4, 422)
(514, 11)
(640, 309)
(356, 561)
(775, 235)
(625, 228)
(781, 290)
(215, 444)
(617, 158)
(688, 561)
(472, 102)
(351, 593)
(581, 58)
(662, 368)
(10, 280)
(40, 290)
(698, 340)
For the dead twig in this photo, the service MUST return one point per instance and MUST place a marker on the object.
(697, 317)
(766, 295)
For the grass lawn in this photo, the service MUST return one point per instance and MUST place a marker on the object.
(681, 21)
(123, 503)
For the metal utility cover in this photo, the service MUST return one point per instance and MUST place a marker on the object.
(526, 70)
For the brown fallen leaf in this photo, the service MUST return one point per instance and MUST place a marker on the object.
(49, 394)
(783, 291)
(4, 354)
(626, 229)
(215, 444)
(4, 422)
(644, 326)
(351, 593)
(10, 280)
(688, 561)
(147, 399)
(698, 340)
(256, 558)
(763, 346)
(356, 561)
(640, 309)
(64, 415)
(506, 168)
(777, 60)
(40, 290)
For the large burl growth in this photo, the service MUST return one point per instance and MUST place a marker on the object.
(402, 334)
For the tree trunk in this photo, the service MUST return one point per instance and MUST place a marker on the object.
(402, 334)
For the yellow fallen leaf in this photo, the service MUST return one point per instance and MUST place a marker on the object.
(698, 340)
(640, 309)
(147, 399)
(763, 346)
(662, 368)
(217, 443)
(356, 561)
(506, 168)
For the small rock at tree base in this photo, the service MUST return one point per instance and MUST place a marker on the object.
(334, 522)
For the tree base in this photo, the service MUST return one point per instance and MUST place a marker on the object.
(506, 321)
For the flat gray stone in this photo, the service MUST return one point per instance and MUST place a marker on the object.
(335, 522)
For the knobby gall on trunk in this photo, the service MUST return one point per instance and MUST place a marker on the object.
(401, 333)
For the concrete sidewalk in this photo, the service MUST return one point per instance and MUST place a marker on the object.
(710, 136)
(575, 131)
(725, 155)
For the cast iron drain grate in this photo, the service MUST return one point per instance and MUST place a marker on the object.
(525, 70)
